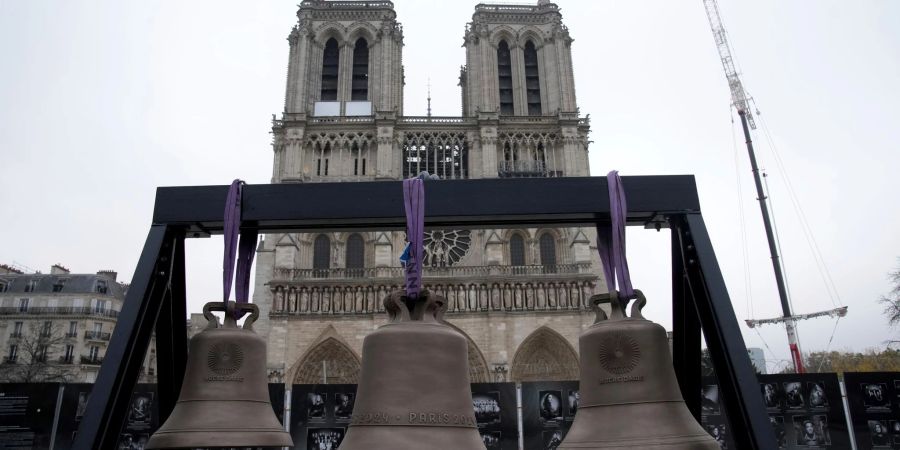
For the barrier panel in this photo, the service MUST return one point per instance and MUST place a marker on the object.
(874, 406)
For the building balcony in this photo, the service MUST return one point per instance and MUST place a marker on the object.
(10, 359)
(430, 273)
(60, 310)
(525, 169)
(67, 359)
(91, 361)
(15, 335)
(96, 336)
(71, 335)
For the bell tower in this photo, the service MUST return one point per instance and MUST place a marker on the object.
(518, 61)
(345, 59)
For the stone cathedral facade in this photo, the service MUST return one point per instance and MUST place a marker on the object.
(520, 295)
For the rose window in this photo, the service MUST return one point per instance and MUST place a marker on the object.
(445, 248)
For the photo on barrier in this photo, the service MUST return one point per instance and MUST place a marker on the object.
(875, 396)
(552, 439)
(709, 399)
(793, 395)
(324, 438)
(315, 406)
(777, 423)
(718, 432)
(812, 431)
(133, 441)
(773, 396)
(572, 404)
(878, 430)
(551, 406)
(343, 405)
(487, 408)
(140, 413)
(815, 394)
(491, 439)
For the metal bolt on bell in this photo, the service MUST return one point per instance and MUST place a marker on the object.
(629, 395)
(224, 399)
(414, 390)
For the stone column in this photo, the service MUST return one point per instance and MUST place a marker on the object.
(487, 125)
(385, 122)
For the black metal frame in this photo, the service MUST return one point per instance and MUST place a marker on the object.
(156, 298)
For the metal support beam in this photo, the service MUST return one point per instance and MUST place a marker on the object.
(111, 394)
(738, 385)
(685, 332)
(171, 334)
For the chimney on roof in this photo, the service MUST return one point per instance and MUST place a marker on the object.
(111, 274)
(58, 269)
(9, 270)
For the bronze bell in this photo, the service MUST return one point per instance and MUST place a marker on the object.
(414, 390)
(224, 399)
(629, 395)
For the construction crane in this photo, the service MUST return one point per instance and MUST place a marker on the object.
(740, 100)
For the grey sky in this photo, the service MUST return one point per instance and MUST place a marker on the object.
(102, 101)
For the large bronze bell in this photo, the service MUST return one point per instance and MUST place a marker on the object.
(414, 390)
(629, 394)
(224, 399)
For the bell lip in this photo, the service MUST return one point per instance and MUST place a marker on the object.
(220, 439)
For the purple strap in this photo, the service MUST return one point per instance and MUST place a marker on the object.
(245, 251)
(414, 204)
(611, 239)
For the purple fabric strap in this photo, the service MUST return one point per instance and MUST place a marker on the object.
(611, 239)
(414, 204)
(245, 250)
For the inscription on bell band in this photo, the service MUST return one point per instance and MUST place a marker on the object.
(619, 354)
(433, 418)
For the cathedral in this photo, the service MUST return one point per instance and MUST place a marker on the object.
(520, 296)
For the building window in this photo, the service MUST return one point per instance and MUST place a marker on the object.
(30, 285)
(94, 353)
(23, 305)
(3, 285)
(321, 256)
(532, 80)
(548, 252)
(101, 306)
(58, 285)
(13, 353)
(102, 287)
(516, 250)
(46, 329)
(504, 72)
(330, 59)
(70, 351)
(360, 88)
(356, 256)
(17, 330)
(322, 161)
(41, 354)
(73, 329)
(443, 154)
(98, 327)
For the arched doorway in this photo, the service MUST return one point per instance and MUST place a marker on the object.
(545, 356)
(329, 362)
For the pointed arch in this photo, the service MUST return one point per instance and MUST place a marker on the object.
(516, 249)
(545, 355)
(328, 362)
(360, 78)
(330, 67)
(505, 78)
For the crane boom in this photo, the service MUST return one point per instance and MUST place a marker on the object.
(738, 96)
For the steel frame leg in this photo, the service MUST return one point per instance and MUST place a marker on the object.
(150, 287)
(737, 380)
(685, 332)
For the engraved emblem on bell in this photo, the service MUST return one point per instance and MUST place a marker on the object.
(619, 354)
(225, 358)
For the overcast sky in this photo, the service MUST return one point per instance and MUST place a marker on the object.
(102, 101)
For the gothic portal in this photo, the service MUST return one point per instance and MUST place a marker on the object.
(519, 295)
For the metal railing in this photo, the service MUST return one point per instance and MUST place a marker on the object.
(10, 359)
(341, 273)
(91, 361)
(96, 336)
(67, 359)
(60, 310)
(15, 335)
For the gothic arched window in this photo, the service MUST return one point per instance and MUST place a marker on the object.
(356, 255)
(548, 252)
(360, 88)
(504, 71)
(516, 250)
(330, 59)
(532, 80)
(321, 256)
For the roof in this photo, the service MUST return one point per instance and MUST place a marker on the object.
(71, 284)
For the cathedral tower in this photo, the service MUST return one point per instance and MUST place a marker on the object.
(519, 295)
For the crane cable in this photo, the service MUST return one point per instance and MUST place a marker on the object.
(822, 268)
(748, 292)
